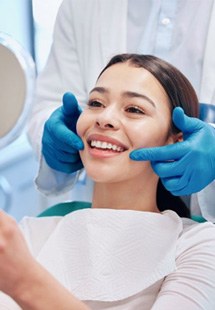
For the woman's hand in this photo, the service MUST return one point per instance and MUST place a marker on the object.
(21, 277)
(15, 259)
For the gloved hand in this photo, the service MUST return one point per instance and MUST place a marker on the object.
(184, 167)
(60, 143)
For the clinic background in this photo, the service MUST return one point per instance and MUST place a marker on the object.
(31, 24)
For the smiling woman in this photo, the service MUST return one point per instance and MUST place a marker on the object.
(129, 108)
(123, 253)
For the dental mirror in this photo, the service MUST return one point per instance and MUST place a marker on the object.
(17, 77)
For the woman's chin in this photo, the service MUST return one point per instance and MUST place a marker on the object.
(102, 175)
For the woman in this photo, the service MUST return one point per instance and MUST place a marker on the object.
(123, 253)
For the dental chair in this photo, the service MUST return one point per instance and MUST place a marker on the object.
(207, 114)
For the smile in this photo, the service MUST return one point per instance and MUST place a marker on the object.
(105, 146)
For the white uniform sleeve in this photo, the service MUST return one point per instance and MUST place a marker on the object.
(192, 285)
(51, 182)
(61, 74)
(206, 202)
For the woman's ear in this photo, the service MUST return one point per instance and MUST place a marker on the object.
(178, 137)
(175, 137)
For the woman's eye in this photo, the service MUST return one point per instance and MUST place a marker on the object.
(134, 109)
(95, 104)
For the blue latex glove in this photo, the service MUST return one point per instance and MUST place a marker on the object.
(60, 143)
(184, 167)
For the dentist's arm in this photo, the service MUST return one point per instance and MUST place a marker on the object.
(185, 167)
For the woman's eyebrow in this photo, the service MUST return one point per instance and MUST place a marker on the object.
(127, 94)
(101, 90)
(131, 94)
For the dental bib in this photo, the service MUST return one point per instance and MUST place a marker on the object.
(110, 255)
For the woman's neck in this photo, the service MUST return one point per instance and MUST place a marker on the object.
(129, 195)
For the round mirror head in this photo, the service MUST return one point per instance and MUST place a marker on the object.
(17, 76)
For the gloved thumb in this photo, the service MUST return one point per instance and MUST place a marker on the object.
(70, 105)
(185, 123)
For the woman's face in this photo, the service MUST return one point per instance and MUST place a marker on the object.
(128, 109)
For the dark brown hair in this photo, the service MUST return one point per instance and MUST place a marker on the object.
(180, 93)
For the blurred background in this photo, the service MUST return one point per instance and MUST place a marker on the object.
(30, 22)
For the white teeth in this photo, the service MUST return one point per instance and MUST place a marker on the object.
(105, 145)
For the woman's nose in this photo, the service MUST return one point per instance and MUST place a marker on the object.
(108, 119)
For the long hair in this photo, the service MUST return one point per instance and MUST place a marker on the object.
(180, 94)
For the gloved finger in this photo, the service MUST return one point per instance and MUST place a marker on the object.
(71, 111)
(63, 137)
(185, 123)
(176, 185)
(70, 105)
(62, 156)
(169, 169)
(62, 166)
(186, 191)
(184, 184)
(161, 153)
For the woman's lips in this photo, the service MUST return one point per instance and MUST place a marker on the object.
(104, 146)
(106, 142)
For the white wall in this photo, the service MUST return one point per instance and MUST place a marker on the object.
(16, 20)
(43, 25)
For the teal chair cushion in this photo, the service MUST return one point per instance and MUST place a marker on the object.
(198, 218)
(64, 208)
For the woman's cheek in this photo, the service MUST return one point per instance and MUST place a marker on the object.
(80, 125)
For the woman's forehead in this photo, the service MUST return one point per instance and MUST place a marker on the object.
(127, 77)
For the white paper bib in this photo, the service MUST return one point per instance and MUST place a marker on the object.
(109, 255)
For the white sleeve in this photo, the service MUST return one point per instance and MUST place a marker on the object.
(203, 203)
(206, 202)
(192, 285)
(52, 182)
(62, 73)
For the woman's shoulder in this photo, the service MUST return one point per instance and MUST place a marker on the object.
(196, 236)
(192, 226)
